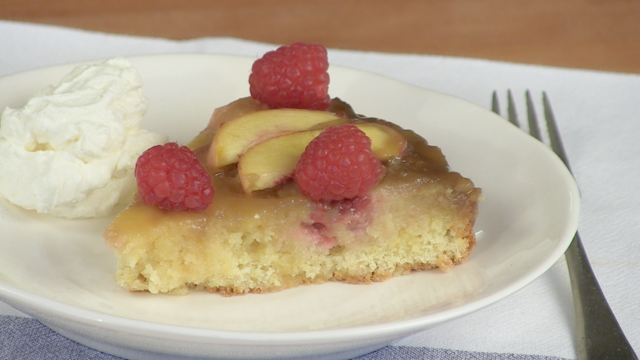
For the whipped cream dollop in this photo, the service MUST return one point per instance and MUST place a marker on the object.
(71, 150)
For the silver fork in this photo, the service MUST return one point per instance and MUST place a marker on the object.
(599, 335)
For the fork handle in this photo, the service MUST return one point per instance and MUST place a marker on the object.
(598, 332)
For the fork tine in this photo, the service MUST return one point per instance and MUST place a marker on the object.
(554, 134)
(495, 105)
(534, 128)
(511, 110)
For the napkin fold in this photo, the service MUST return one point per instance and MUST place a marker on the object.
(598, 114)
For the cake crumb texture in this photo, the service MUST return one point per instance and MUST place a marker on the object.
(281, 243)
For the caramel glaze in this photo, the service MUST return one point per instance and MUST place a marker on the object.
(420, 163)
(418, 158)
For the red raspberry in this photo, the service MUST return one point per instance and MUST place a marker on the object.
(171, 177)
(292, 76)
(338, 164)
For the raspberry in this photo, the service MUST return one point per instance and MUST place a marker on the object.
(171, 177)
(293, 76)
(338, 164)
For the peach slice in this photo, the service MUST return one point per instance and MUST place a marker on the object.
(385, 141)
(237, 135)
(273, 161)
(223, 114)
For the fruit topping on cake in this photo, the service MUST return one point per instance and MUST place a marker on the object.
(274, 161)
(234, 137)
(338, 164)
(292, 76)
(306, 191)
(171, 177)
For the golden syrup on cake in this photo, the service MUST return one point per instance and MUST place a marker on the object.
(422, 165)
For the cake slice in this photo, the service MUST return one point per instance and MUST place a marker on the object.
(305, 192)
(419, 216)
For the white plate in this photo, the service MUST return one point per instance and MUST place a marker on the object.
(60, 272)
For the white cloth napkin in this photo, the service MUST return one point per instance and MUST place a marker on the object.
(599, 118)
